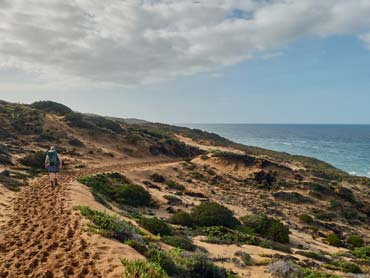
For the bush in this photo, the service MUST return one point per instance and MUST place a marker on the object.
(343, 266)
(333, 240)
(109, 226)
(180, 242)
(246, 258)
(117, 188)
(362, 252)
(269, 244)
(137, 245)
(35, 160)
(284, 269)
(181, 218)
(157, 178)
(355, 241)
(172, 200)
(223, 235)
(196, 265)
(265, 178)
(213, 214)
(75, 142)
(173, 185)
(305, 218)
(267, 227)
(156, 226)
(92, 122)
(140, 269)
(132, 194)
(52, 107)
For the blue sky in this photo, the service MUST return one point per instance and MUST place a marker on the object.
(238, 71)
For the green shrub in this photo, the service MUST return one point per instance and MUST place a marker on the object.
(223, 235)
(180, 242)
(362, 252)
(196, 265)
(313, 255)
(92, 122)
(246, 258)
(311, 273)
(173, 185)
(355, 241)
(140, 269)
(172, 200)
(52, 107)
(162, 258)
(305, 218)
(34, 160)
(109, 226)
(132, 194)
(116, 187)
(213, 214)
(269, 244)
(156, 226)
(267, 227)
(181, 218)
(157, 178)
(343, 266)
(333, 240)
(137, 245)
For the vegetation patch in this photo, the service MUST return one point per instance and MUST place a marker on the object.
(51, 107)
(92, 122)
(172, 200)
(362, 253)
(174, 185)
(140, 269)
(223, 235)
(344, 266)
(35, 161)
(108, 225)
(181, 218)
(355, 241)
(209, 214)
(156, 226)
(157, 178)
(181, 242)
(266, 227)
(334, 240)
(305, 218)
(117, 188)
(293, 197)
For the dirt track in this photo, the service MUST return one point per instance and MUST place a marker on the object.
(43, 236)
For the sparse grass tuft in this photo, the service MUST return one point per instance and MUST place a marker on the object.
(140, 269)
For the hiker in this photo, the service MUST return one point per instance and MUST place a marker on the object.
(52, 163)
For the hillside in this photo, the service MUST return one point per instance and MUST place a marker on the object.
(141, 199)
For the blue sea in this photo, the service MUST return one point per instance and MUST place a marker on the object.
(347, 147)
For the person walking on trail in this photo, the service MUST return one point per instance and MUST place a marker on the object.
(53, 163)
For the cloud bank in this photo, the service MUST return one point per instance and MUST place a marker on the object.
(128, 42)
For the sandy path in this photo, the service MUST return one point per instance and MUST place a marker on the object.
(43, 237)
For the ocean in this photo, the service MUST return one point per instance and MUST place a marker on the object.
(347, 147)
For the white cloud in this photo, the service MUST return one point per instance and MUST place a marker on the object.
(138, 41)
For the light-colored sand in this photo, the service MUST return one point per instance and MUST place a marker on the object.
(207, 147)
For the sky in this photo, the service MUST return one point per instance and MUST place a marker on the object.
(184, 61)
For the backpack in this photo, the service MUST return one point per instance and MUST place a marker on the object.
(53, 158)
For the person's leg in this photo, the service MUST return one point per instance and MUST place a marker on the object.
(56, 178)
(51, 178)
